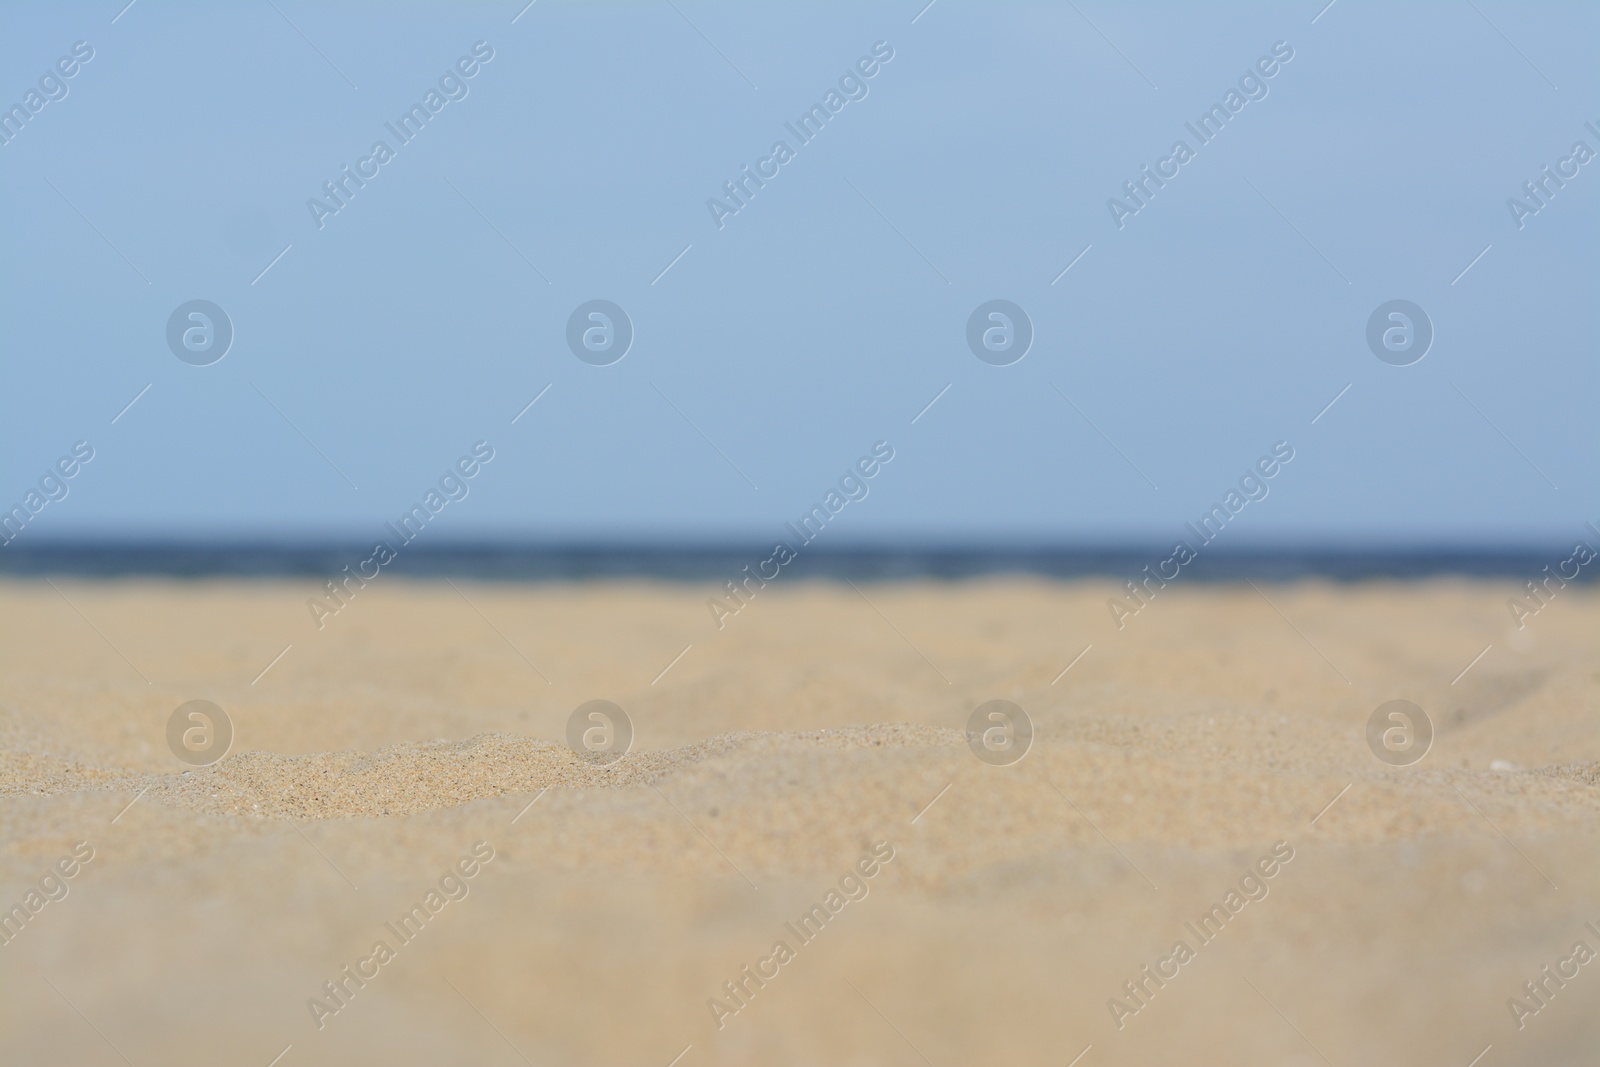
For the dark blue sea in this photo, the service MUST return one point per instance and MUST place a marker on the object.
(545, 562)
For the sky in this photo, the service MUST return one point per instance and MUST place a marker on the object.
(1178, 335)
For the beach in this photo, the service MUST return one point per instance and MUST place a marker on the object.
(631, 911)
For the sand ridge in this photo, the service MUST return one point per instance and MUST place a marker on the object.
(412, 777)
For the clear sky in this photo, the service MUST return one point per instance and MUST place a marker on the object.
(373, 346)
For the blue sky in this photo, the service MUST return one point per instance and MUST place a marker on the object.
(826, 313)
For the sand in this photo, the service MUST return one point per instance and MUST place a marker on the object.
(773, 762)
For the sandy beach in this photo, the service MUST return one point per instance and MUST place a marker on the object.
(799, 534)
(800, 778)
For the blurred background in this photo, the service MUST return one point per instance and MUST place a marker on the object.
(372, 347)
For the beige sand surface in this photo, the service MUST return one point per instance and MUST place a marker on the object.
(767, 761)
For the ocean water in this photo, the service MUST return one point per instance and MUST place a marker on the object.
(539, 562)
